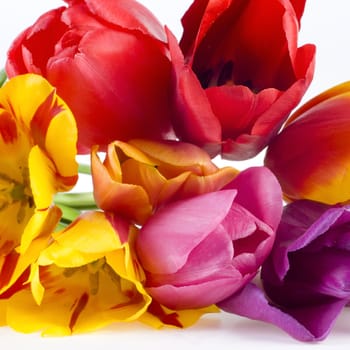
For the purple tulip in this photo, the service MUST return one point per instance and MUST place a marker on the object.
(306, 278)
(198, 251)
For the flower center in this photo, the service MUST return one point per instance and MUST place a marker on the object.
(223, 74)
(14, 192)
(94, 269)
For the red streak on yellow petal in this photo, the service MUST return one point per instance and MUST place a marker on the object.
(42, 118)
(169, 319)
(7, 268)
(8, 127)
(78, 308)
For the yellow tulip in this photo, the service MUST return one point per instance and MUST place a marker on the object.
(85, 279)
(37, 159)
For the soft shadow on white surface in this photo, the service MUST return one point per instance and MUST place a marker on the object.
(217, 330)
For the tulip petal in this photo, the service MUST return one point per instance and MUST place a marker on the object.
(181, 226)
(42, 178)
(71, 248)
(196, 122)
(260, 193)
(190, 296)
(158, 188)
(129, 200)
(158, 315)
(251, 302)
(181, 156)
(302, 176)
(35, 238)
(115, 102)
(238, 108)
(128, 14)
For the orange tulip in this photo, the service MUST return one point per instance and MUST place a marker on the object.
(137, 177)
(311, 156)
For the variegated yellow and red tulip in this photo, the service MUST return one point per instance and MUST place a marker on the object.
(137, 177)
(37, 158)
(311, 156)
(87, 278)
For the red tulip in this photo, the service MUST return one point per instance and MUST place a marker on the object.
(109, 62)
(239, 73)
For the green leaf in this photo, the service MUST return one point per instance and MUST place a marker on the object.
(3, 77)
(80, 201)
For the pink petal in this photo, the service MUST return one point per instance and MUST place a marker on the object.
(194, 296)
(259, 192)
(179, 227)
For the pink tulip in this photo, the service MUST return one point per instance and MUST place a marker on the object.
(198, 251)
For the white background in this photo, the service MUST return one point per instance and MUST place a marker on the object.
(326, 24)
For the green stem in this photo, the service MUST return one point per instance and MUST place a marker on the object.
(68, 214)
(84, 169)
(60, 226)
(83, 200)
(3, 77)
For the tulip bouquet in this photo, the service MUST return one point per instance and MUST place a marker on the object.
(166, 235)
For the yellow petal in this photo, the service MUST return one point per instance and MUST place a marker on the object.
(23, 94)
(36, 287)
(148, 177)
(26, 316)
(3, 312)
(34, 240)
(63, 153)
(159, 316)
(42, 223)
(84, 241)
(42, 178)
(173, 158)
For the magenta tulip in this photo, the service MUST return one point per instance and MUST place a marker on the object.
(108, 60)
(198, 251)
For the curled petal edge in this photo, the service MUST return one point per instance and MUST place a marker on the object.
(252, 303)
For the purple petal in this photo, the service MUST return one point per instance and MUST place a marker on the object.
(303, 221)
(310, 323)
